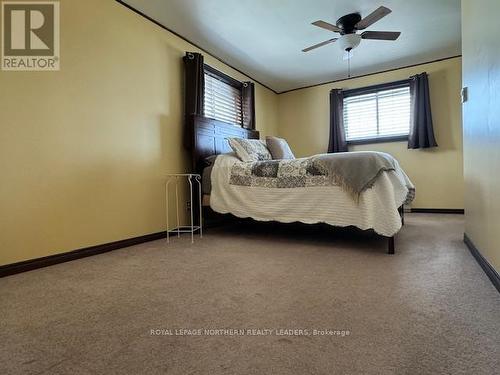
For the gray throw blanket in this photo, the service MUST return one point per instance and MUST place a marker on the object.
(354, 171)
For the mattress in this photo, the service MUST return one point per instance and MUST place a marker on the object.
(376, 209)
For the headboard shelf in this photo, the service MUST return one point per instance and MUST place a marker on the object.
(210, 138)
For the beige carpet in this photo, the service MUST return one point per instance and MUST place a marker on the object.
(429, 309)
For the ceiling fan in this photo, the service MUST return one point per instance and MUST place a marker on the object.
(349, 24)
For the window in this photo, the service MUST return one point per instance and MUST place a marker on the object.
(377, 113)
(223, 97)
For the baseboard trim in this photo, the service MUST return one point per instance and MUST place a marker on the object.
(460, 211)
(485, 265)
(32, 264)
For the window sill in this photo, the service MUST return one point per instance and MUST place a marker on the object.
(399, 138)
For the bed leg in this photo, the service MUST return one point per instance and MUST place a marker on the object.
(402, 214)
(390, 248)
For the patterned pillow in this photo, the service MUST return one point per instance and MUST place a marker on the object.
(279, 148)
(250, 149)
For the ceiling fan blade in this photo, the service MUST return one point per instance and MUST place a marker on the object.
(319, 45)
(373, 17)
(381, 35)
(328, 26)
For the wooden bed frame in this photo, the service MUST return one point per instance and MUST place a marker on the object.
(210, 138)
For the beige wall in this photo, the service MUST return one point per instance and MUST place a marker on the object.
(84, 151)
(437, 173)
(481, 76)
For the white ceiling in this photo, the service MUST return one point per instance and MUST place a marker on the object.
(264, 38)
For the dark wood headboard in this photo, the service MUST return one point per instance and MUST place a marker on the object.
(210, 138)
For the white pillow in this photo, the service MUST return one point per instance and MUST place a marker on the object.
(279, 148)
(250, 149)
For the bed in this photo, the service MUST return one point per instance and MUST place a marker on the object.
(378, 209)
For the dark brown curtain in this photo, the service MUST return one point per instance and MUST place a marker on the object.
(337, 141)
(194, 90)
(421, 130)
(248, 97)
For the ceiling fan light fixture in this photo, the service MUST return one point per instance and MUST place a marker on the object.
(349, 41)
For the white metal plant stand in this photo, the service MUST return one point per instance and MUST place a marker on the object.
(184, 228)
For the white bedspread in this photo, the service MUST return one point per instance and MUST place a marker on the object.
(377, 208)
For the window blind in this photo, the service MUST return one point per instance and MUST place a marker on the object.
(222, 101)
(379, 114)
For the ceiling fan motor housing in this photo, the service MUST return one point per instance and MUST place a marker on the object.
(348, 23)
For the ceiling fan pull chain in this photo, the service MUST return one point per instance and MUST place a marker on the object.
(349, 64)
